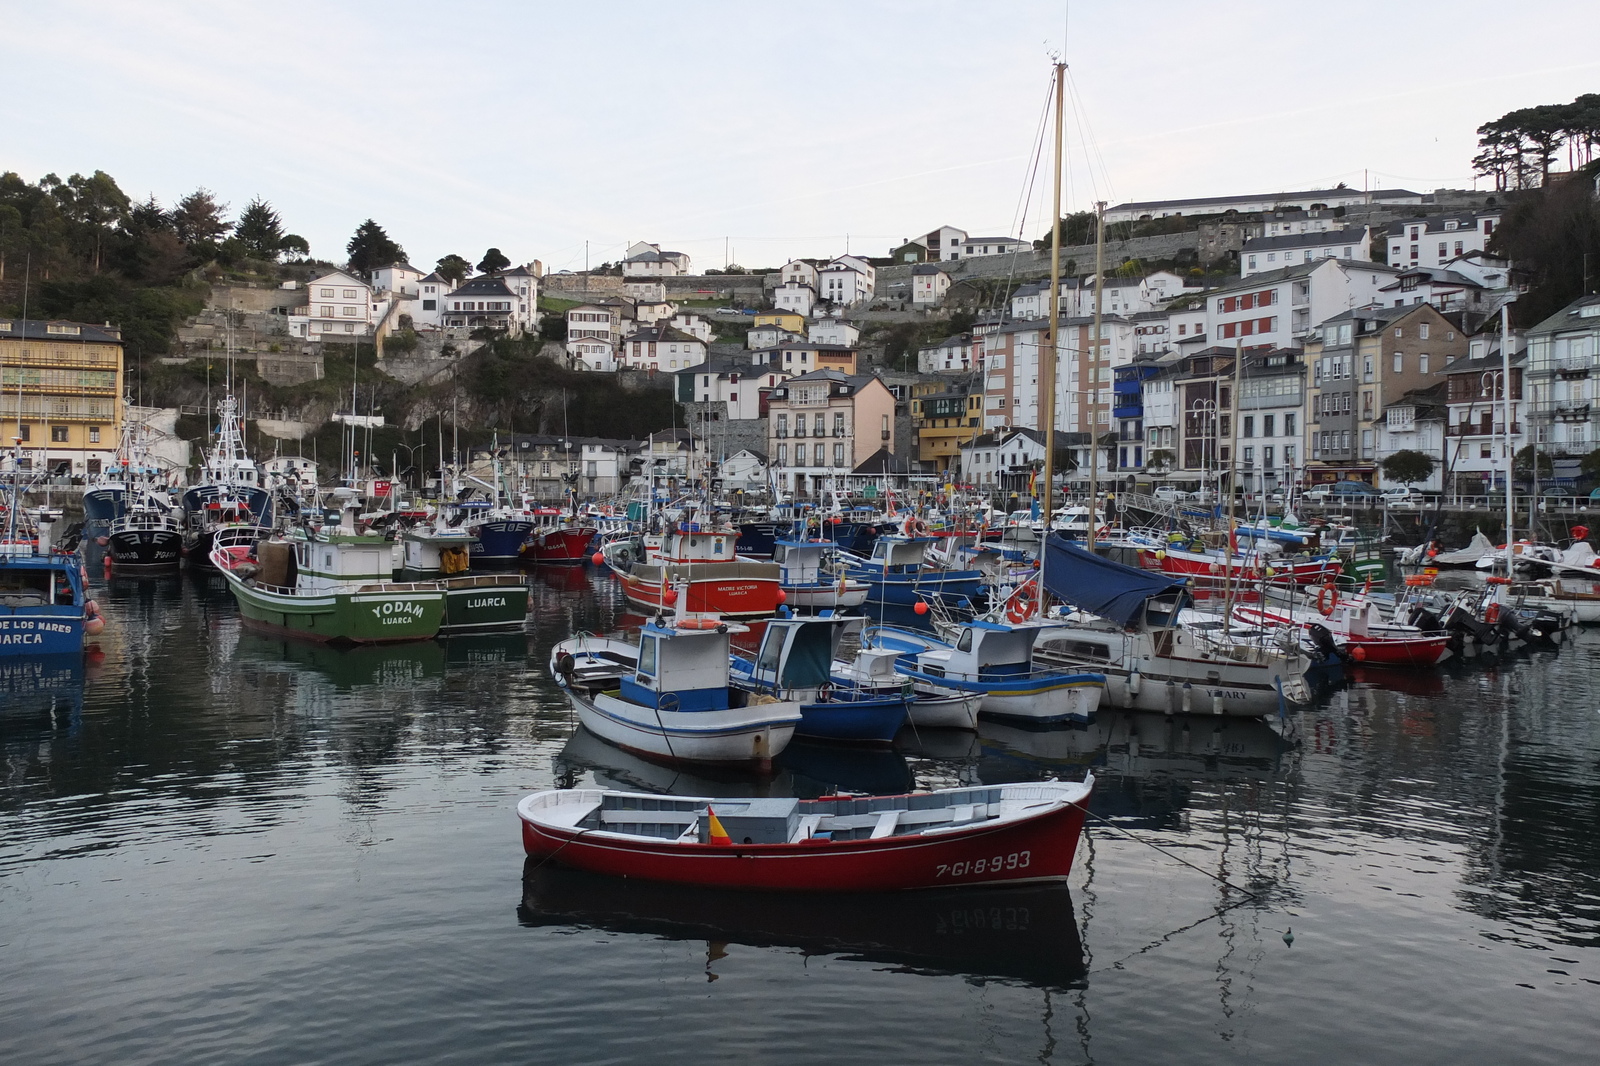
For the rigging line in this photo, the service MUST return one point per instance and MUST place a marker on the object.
(1165, 938)
(1094, 142)
(1175, 858)
(1086, 138)
(1019, 216)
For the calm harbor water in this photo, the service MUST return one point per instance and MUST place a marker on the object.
(221, 848)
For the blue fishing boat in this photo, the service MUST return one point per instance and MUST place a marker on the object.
(896, 573)
(795, 664)
(994, 659)
(44, 605)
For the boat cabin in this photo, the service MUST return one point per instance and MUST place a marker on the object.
(681, 669)
(692, 544)
(332, 561)
(798, 653)
(803, 562)
(984, 651)
(897, 554)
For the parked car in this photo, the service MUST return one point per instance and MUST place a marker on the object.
(1401, 496)
(1170, 494)
(1351, 491)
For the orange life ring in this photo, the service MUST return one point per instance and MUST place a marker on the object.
(1327, 598)
(1022, 606)
(696, 623)
(916, 527)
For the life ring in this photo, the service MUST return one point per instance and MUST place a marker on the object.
(1023, 606)
(1327, 598)
(696, 623)
(916, 527)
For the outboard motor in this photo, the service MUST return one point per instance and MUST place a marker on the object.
(1321, 638)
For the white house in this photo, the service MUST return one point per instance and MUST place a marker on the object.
(1002, 458)
(771, 337)
(341, 308)
(401, 278)
(592, 353)
(492, 301)
(645, 260)
(833, 331)
(595, 322)
(650, 312)
(1279, 307)
(928, 285)
(847, 280)
(1414, 422)
(1564, 377)
(1443, 288)
(799, 272)
(644, 289)
(795, 296)
(735, 380)
(1270, 253)
(428, 308)
(743, 471)
(692, 324)
(661, 348)
(976, 246)
(951, 355)
(1250, 203)
(1434, 241)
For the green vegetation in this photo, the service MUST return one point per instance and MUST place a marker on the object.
(494, 261)
(510, 386)
(1552, 232)
(371, 248)
(1518, 148)
(453, 268)
(1408, 466)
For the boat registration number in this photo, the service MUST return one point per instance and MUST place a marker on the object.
(397, 612)
(1017, 860)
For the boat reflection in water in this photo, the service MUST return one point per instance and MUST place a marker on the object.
(1192, 745)
(1025, 934)
(41, 692)
(611, 767)
(380, 665)
(820, 768)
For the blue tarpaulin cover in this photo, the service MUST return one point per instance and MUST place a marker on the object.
(1100, 586)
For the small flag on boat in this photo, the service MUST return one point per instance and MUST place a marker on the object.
(718, 834)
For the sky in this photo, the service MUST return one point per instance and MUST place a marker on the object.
(757, 131)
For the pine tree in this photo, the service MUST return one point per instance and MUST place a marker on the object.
(261, 230)
(371, 248)
(494, 261)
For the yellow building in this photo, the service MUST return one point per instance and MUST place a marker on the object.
(61, 393)
(945, 418)
(789, 320)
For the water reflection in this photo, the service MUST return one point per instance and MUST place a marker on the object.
(1026, 934)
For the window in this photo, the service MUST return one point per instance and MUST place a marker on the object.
(817, 427)
(838, 455)
(1266, 425)
(1444, 251)
(1247, 427)
(783, 455)
(430, 305)
(1422, 363)
(1252, 262)
(1399, 362)
(783, 425)
(350, 312)
(94, 434)
(1366, 369)
(1266, 456)
(1288, 454)
(838, 423)
(58, 434)
(820, 454)
(885, 427)
(1422, 331)
(327, 294)
(349, 327)
(1288, 431)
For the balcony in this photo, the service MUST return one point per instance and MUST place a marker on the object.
(1572, 366)
(1478, 429)
(1127, 411)
(1571, 410)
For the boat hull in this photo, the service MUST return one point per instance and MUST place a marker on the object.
(145, 549)
(45, 631)
(562, 547)
(499, 542)
(946, 712)
(1399, 651)
(1040, 848)
(860, 719)
(732, 590)
(484, 603)
(825, 595)
(376, 614)
(737, 735)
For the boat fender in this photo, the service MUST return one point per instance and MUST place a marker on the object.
(1491, 614)
(94, 625)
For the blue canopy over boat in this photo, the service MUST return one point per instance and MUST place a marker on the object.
(1106, 588)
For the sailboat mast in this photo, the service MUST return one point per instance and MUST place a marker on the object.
(1505, 393)
(1049, 357)
(1233, 458)
(1094, 369)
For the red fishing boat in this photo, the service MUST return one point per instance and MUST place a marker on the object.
(557, 538)
(701, 565)
(962, 837)
(1248, 566)
(1359, 631)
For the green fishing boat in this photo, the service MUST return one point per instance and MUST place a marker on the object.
(334, 586)
(473, 602)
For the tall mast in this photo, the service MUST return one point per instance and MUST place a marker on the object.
(1047, 363)
(1233, 458)
(1505, 393)
(1094, 370)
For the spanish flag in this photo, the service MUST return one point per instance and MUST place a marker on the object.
(718, 834)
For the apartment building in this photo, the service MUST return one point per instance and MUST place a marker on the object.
(944, 417)
(1434, 241)
(1564, 379)
(824, 424)
(61, 394)
(1361, 361)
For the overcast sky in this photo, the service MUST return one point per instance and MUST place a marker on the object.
(778, 129)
